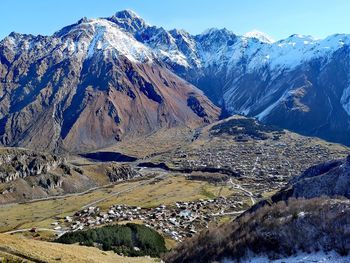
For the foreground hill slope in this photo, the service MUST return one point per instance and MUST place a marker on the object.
(276, 232)
(283, 226)
(329, 178)
(27, 250)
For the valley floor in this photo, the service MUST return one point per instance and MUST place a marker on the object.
(162, 189)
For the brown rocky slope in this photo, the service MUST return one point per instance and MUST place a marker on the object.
(89, 86)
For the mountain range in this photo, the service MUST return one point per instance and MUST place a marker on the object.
(98, 81)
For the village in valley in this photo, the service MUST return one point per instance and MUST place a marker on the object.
(250, 167)
(178, 222)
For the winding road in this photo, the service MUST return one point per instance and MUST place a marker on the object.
(248, 193)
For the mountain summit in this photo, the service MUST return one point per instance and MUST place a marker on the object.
(129, 21)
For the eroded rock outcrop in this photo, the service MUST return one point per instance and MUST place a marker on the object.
(20, 163)
(120, 172)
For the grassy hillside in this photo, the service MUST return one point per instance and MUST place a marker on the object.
(14, 248)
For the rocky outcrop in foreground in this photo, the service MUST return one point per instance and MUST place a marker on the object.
(331, 178)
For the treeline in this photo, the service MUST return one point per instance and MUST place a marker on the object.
(129, 240)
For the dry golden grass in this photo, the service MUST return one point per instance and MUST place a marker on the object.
(41, 251)
(170, 243)
(172, 189)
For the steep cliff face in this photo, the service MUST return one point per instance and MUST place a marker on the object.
(18, 163)
(88, 86)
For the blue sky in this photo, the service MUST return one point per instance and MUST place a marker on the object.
(278, 18)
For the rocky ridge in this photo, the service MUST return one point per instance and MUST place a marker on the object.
(331, 178)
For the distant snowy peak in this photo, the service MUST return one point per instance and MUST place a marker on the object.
(129, 21)
(127, 14)
(215, 33)
(260, 36)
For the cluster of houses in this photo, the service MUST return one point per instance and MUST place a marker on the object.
(269, 158)
(262, 166)
(178, 221)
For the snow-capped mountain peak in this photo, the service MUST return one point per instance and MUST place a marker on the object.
(129, 21)
(127, 14)
(216, 31)
(219, 47)
(90, 37)
(260, 36)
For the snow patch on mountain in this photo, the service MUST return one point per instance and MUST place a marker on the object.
(108, 38)
(95, 39)
(262, 115)
(293, 51)
(260, 36)
(18, 42)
